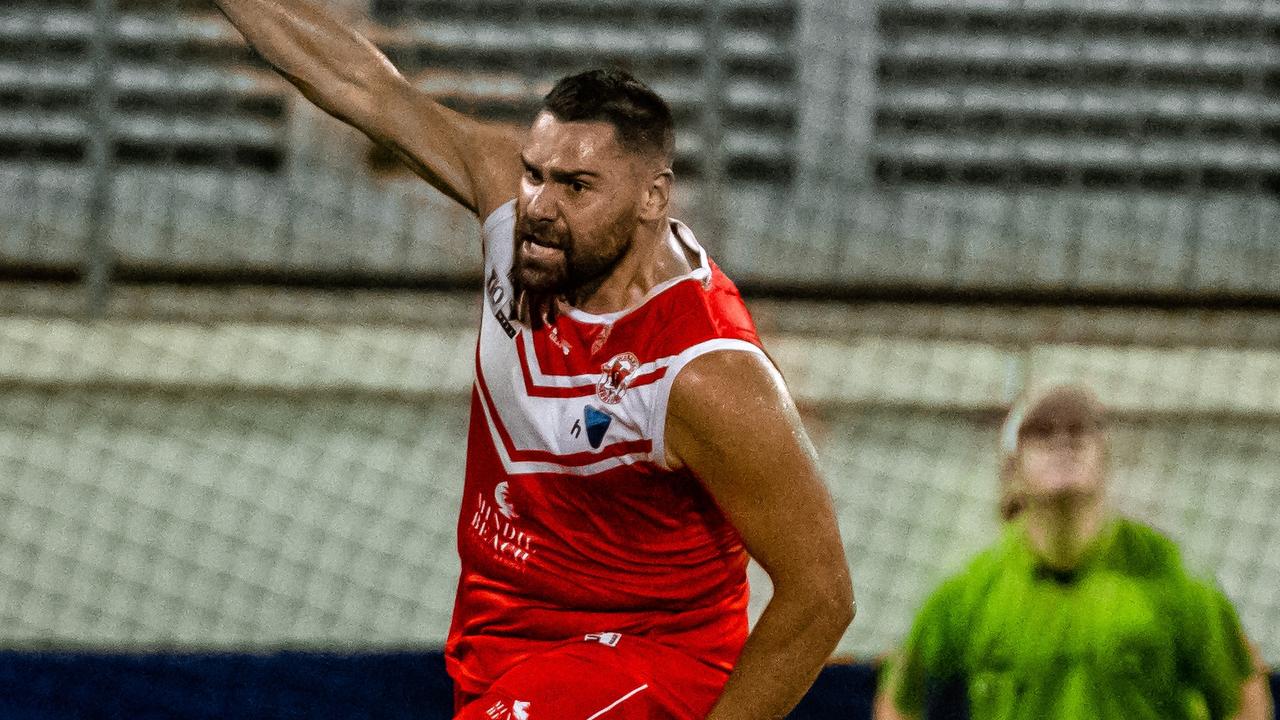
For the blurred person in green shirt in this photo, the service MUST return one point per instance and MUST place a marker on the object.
(1074, 613)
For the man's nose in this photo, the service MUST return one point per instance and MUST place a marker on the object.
(542, 205)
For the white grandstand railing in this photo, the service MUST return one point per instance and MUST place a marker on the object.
(1150, 10)
(61, 24)
(60, 76)
(1023, 100)
(507, 87)
(1119, 154)
(166, 128)
(594, 7)
(740, 93)
(741, 143)
(548, 37)
(1149, 54)
(242, 82)
(33, 125)
(29, 125)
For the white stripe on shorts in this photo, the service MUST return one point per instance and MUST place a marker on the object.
(617, 702)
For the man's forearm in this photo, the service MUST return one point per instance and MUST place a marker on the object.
(1255, 700)
(788, 647)
(332, 64)
(1255, 691)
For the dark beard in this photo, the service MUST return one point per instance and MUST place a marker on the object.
(581, 274)
(534, 309)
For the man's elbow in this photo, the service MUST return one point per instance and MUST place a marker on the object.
(834, 602)
(848, 608)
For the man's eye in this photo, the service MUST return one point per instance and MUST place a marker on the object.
(1036, 430)
(576, 186)
(533, 176)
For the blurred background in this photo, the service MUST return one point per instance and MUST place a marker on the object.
(234, 334)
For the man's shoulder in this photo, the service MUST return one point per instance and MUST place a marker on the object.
(971, 583)
(693, 311)
(1142, 550)
(1008, 551)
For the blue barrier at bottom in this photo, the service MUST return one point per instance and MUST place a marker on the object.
(841, 692)
(316, 686)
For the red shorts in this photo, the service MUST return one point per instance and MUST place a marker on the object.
(606, 676)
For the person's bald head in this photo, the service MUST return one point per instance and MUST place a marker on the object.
(1053, 448)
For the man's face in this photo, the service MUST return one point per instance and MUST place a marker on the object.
(578, 207)
(1061, 459)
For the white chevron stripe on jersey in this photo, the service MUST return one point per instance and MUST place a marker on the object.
(527, 442)
(567, 381)
(548, 460)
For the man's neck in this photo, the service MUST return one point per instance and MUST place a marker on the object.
(1061, 531)
(656, 256)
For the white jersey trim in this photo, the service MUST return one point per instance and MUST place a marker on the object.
(502, 213)
(700, 273)
(658, 420)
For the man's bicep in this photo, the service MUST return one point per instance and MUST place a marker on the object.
(732, 422)
(473, 162)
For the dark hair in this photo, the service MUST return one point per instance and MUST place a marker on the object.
(641, 119)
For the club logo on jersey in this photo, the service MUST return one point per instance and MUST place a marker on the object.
(502, 495)
(597, 423)
(615, 376)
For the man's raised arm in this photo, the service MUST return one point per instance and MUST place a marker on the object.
(475, 163)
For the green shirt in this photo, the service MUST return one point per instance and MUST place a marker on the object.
(1127, 635)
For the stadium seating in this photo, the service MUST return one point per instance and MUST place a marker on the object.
(185, 90)
(1078, 92)
(962, 123)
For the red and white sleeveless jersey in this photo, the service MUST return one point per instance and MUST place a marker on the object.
(572, 522)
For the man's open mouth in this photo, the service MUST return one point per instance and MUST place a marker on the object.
(532, 239)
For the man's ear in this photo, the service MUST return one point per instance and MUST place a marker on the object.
(657, 196)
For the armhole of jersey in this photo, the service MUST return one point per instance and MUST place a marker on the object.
(501, 214)
(658, 418)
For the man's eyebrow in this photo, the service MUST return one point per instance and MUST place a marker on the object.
(561, 175)
(567, 175)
